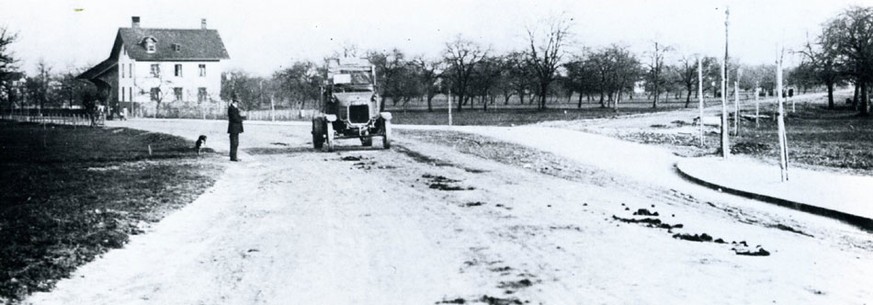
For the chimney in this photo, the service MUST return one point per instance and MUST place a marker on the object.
(134, 22)
(203, 23)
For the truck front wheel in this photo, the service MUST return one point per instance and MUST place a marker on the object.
(317, 133)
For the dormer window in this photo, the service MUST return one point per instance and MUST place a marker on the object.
(150, 44)
(177, 47)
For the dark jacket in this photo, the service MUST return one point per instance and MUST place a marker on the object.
(234, 120)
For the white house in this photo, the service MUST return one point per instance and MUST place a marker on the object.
(148, 66)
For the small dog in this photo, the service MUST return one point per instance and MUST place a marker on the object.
(201, 142)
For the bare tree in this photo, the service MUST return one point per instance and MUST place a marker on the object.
(158, 91)
(7, 59)
(298, 84)
(852, 31)
(581, 77)
(822, 60)
(430, 72)
(687, 74)
(390, 70)
(655, 77)
(462, 56)
(38, 88)
(546, 53)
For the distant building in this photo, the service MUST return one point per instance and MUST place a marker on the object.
(640, 87)
(150, 65)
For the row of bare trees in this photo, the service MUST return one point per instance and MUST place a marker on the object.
(841, 54)
(549, 66)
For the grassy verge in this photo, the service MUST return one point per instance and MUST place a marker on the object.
(818, 138)
(68, 195)
(510, 117)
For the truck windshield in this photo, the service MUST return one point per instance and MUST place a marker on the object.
(360, 78)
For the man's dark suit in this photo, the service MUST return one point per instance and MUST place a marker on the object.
(234, 128)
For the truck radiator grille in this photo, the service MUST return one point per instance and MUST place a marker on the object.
(359, 113)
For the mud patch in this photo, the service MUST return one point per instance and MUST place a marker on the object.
(279, 144)
(473, 204)
(453, 301)
(703, 237)
(501, 269)
(486, 299)
(500, 301)
(421, 158)
(352, 158)
(445, 184)
(789, 229)
(523, 283)
(645, 212)
(650, 222)
(758, 251)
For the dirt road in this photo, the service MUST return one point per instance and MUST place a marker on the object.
(425, 224)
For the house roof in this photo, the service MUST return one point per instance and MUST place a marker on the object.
(194, 44)
(99, 69)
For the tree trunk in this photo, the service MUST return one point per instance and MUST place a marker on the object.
(855, 98)
(460, 102)
(688, 97)
(602, 105)
(579, 105)
(830, 95)
(862, 104)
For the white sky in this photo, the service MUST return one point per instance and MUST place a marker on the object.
(261, 36)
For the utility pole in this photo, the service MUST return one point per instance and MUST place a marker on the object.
(783, 140)
(757, 105)
(450, 106)
(737, 103)
(725, 145)
(700, 98)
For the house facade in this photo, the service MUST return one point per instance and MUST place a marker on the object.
(161, 70)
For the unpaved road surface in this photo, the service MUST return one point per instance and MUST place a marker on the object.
(425, 224)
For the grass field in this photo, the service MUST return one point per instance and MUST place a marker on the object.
(528, 115)
(68, 195)
(837, 139)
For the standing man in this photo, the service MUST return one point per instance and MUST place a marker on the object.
(234, 127)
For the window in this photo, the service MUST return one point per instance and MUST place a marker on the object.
(177, 93)
(156, 70)
(201, 94)
(155, 94)
(177, 47)
(150, 44)
(123, 93)
(130, 70)
(202, 70)
(122, 70)
(130, 93)
(178, 70)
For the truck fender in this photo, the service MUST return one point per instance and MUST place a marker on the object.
(385, 115)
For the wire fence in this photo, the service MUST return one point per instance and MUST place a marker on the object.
(57, 118)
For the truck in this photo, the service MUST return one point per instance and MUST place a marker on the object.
(350, 106)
